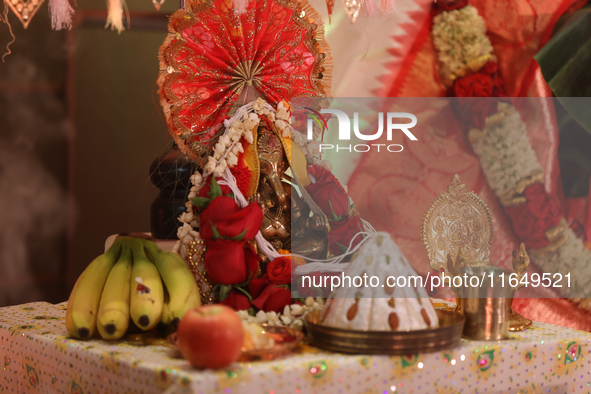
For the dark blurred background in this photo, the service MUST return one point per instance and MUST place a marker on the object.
(80, 124)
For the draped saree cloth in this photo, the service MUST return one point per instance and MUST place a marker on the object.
(393, 191)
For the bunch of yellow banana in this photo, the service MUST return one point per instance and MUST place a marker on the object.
(133, 280)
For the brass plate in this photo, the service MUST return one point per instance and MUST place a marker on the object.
(447, 335)
(286, 339)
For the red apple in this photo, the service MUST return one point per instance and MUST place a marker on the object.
(210, 336)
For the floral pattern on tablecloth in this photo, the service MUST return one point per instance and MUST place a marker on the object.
(36, 356)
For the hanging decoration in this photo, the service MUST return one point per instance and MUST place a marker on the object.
(369, 8)
(24, 10)
(61, 14)
(115, 15)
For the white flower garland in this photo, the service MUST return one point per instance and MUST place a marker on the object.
(292, 315)
(459, 36)
(504, 150)
(503, 147)
(506, 157)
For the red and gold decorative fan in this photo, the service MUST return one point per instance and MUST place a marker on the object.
(213, 53)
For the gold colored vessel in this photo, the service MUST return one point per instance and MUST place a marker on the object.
(447, 335)
(457, 235)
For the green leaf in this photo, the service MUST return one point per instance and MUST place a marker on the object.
(225, 291)
(335, 218)
(214, 229)
(252, 311)
(201, 202)
(565, 62)
(343, 248)
(240, 236)
(215, 190)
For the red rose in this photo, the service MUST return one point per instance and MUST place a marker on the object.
(539, 208)
(256, 286)
(328, 193)
(474, 85)
(535, 192)
(230, 220)
(307, 288)
(279, 271)
(229, 262)
(522, 219)
(492, 69)
(237, 300)
(273, 298)
(339, 239)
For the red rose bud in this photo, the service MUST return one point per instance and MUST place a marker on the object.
(237, 300)
(273, 299)
(225, 262)
(328, 193)
(339, 239)
(229, 220)
(256, 286)
(535, 192)
(279, 271)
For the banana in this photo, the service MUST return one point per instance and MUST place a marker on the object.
(147, 294)
(83, 304)
(180, 282)
(163, 327)
(113, 314)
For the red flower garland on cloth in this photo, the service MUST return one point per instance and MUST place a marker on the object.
(447, 5)
(485, 83)
(532, 219)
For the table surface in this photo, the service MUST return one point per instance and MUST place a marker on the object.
(38, 357)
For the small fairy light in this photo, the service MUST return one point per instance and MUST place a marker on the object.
(420, 365)
(393, 388)
(462, 357)
(453, 362)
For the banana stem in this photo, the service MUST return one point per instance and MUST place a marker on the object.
(151, 247)
(115, 249)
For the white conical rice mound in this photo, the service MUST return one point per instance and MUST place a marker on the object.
(380, 308)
